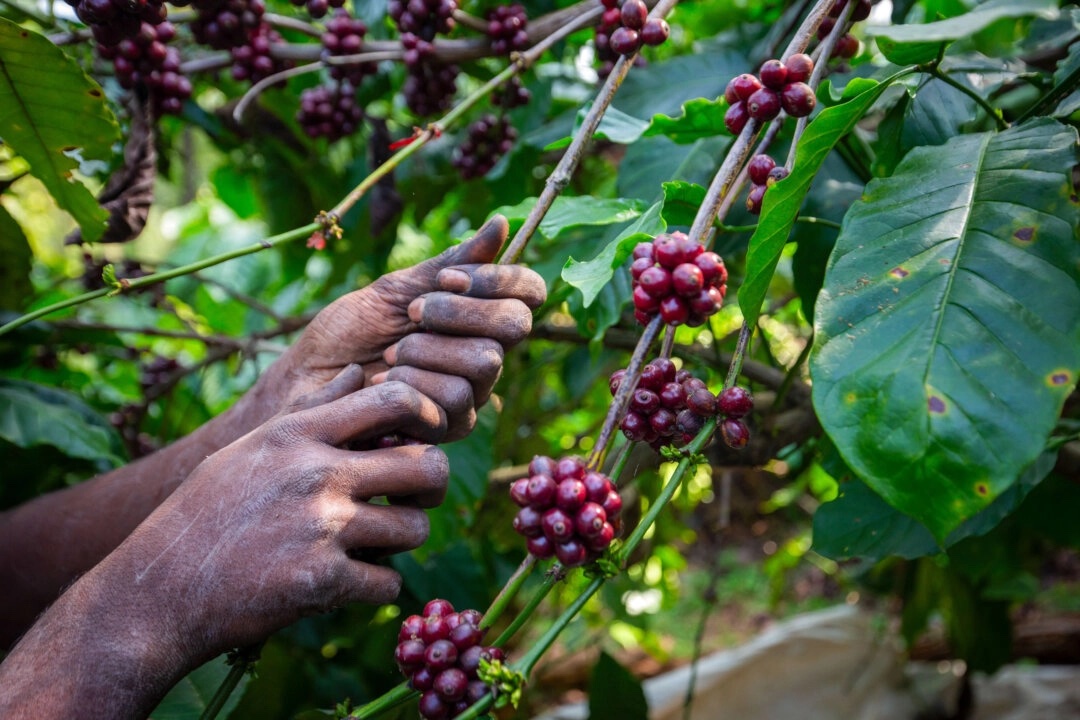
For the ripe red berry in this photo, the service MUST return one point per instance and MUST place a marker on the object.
(758, 168)
(557, 525)
(712, 266)
(777, 174)
(735, 402)
(431, 707)
(687, 279)
(736, 117)
(571, 553)
(673, 396)
(612, 503)
(435, 628)
(667, 251)
(422, 680)
(411, 628)
(741, 87)
(702, 402)
(643, 301)
(862, 10)
(634, 13)
(763, 105)
(540, 546)
(597, 486)
(663, 422)
(540, 491)
(773, 74)
(799, 68)
(476, 691)
(517, 492)
(639, 266)
(652, 377)
(735, 433)
(438, 607)
(570, 494)
(826, 27)
(469, 660)
(616, 380)
(527, 522)
(666, 367)
(656, 281)
(798, 99)
(846, 47)
(590, 520)
(542, 465)
(625, 41)
(689, 422)
(655, 32)
(569, 467)
(410, 655)
(755, 198)
(707, 302)
(600, 541)
(450, 684)
(643, 250)
(674, 310)
(635, 426)
(465, 635)
(644, 402)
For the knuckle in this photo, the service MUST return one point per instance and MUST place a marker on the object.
(459, 396)
(400, 398)
(436, 469)
(489, 357)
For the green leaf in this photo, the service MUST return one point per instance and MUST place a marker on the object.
(574, 211)
(948, 330)
(52, 114)
(592, 275)
(663, 87)
(783, 200)
(701, 118)
(859, 524)
(15, 286)
(919, 43)
(615, 693)
(189, 697)
(32, 414)
(615, 125)
(681, 202)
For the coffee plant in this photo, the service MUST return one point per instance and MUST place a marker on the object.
(888, 191)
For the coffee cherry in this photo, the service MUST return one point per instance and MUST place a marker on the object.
(422, 680)
(625, 41)
(571, 553)
(777, 174)
(846, 47)
(656, 281)
(540, 491)
(758, 168)
(450, 684)
(411, 628)
(465, 635)
(590, 520)
(540, 546)
(652, 377)
(763, 105)
(634, 13)
(702, 402)
(612, 504)
(602, 539)
(643, 301)
(666, 367)
(597, 486)
(542, 465)
(569, 467)
(616, 379)
(674, 310)
(472, 617)
(557, 525)
(673, 396)
(736, 117)
(518, 492)
(755, 199)
(798, 99)
(735, 433)
(570, 494)
(527, 522)
(469, 660)
(440, 655)
(432, 707)
(655, 32)
(741, 87)
(644, 402)
(643, 250)
(410, 655)
(639, 266)
(773, 74)
(435, 628)
(799, 68)
(735, 402)
(687, 279)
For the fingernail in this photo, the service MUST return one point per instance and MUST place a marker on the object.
(453, 280)
(390, 355)
(416, 310)
(379, 378)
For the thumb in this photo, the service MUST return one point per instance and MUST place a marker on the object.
(483, 247)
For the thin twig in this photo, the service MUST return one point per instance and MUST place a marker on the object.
(270, 80)
(291, 23)
(470, 21)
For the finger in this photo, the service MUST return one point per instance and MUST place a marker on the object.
(367, 583)
(482, 247)
(494, 281)
(347, 381)
(367, 413)
(508, 321)
(384, 529)
(419, 472)
(453, 393)
(477, 359)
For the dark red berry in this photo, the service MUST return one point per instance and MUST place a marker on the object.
(673, 396)
(570, 494)
(826, 27)
(712, 266)
(569, 467)
(735, 402)
(773, 74)
(687, 279)
(644, 401)
(643, 301)
(639, 266)
(777, 174)
(655, 32)
(689, 422)
(435, 628)
(465, 635)
(590, 519)
(571, 553)
(540, 546)
(438, 608)
(652, 377)
(799, 68)
(735, 433)
(707, 302)
(625, 41)
(469, 660)
(667, 250)
(600, 541)
(597, 486)
(410, 655)
(612, 503)
(755, 198)
(411, 628)
(763, 105)
(635, 426)
(472, 617)
(517, 492)
(798, 99)
(440, 655)
(431, 707)
(741, 87)
(846, 47)
(450, 684)
(540, 491)
(557, 525)
(616, 379)
(634, 13)
(861, 11)
(643, 250)
(663, 422)
(702, 402)
(476, 691)
(422, 680)
(527, 522)
(664, 364)
(758, 168)
(736, 117)
(674, 310)
(656, 281)
(542, 465)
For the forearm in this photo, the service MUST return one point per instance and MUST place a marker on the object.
(46, 543)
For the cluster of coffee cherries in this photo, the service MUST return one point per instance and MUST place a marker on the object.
(678, 279)
(430, 85)
(252, 61)
(440, 652)
(847, 46)
(143, 59)
(111, 21)
(567, 511)
(732, 405)
(778, 85)
(489, 139)
(344, 35)
(513, 94)
(763, 172)
(329, 112)
(226, 24)
(624, 28)
(318, 8)
(506, 28)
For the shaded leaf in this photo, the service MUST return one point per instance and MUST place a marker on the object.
(919, 43)
(783, 200)
(32, 414)
(189, 697)
(52, 114)
(681, 202)
(590, 276)
(941, 362)
(615, 125)
(701, 118)
(15, 285)
(654, 158)
(663, 87)
(615, 693)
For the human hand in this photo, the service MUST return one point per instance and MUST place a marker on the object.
(441, 326)
(278, 524)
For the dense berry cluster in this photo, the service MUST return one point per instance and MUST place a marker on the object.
(506, 28)
(511, 95)
(318, 8)
(440, 652)
(777, 86)
(567, 511)
(623, 29)
(678, 279)
(111, 21)
(732, 405)
(847, 46)
(226, 24)
(252, 61)
(144, 60)
(345, 36)
(763, 172)
(667, 406)
(430, 85)
(329, 112)
(489, 139)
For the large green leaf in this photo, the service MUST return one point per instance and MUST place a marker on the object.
(52, 114)
(574, 211)
(907, 44)
(783, 200)
(700, 118)
(32, 414)
(948, 330)
(615, 693)
(189, 697)
(615, 125)
(15, 286)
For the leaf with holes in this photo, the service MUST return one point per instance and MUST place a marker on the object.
(52, 115)
(948, 329)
